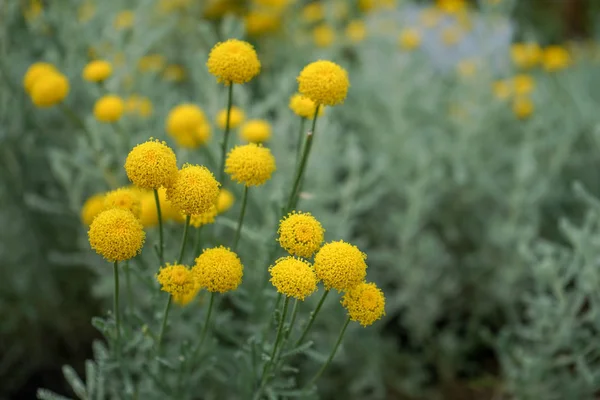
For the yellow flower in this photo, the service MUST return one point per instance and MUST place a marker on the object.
(34, 10)
(49, 90)
(116, 235)
(502, 89)
(366, 5)
(151, 165)
(174, 72)
(124, 20)
(139, 105)
(323, 35)
(293, 277)
(300, 234)
(86, 11)
(523, 84)
(430, 17)
(187, 124)
(250, 164)
(451, 35)
(218, 270)
(148, 213)
(179, 281)
(36, 71)
(451, 6)
(91, 208)
(236, 117)
(168, 210)
(224, 201)
(194, 191)
(206, 218)
(324, 82)
(304, 107)
(556, 58)
(124, 198)
(256, 131)
(356, 31)
(467, 68)
(273, 4)
(526, 55)
(233, 61)
(97, 71)
(109, 108)
(151, 63)
(261, 22)
(340, 266)
(365, 303)
(523, 107)
(313, 12)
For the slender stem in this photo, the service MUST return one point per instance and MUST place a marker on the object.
(205, 327)
(163, 326)
(238, 231)
(313, 315)
(184, 239)
(292, 319)
(337, 344)
(116, 302)
(161, 245)
(74, 118)
(226, 135)
(300, 171)
(300, 137)
(128, 287)
(197, 241)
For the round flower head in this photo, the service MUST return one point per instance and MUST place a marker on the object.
(323, 35)
(49, 89)
(256, 131)
(218, 270)
(109, 108)
(91, 208)
(293, 277)
(167, 209)
(151, 165)
(236, 117)
(206, 218)
(97, 71)
(409, 39)
(194, 190)
(233, 61)
(124, 198)
(34, 72)
(523, 107)
(179, 281)
(340, 266)
(356, 31)
(365, 303)
(324, 82)
(184, 119)
(116, 235)
(304, 107)
(250, 164)
(148, 213)
(224, 201)
(300, 234)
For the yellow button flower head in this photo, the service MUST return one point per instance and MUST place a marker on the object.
(523, 84)
(151, 165)
(116, 234)
(49, 90)
(148, 213)
(218, 270)
(233, 61)
(97, 71)
(300, 234)
(451, 6)
(34, 72)
(313, 12)
(356, 31)
(168, 210)
(256, 131)
(109, 108)
(179, 281)
(340, 266)
(523, 107)
(324, 82)
(303, 106)
(194, 190)
(236, 117)
(556, 58)
(187, 124)
(323, 35)
(124, 198)
(293, 277)
(502, 89)
(526, 55)
(250, 164)
(262, 22)
(365, 303)
(206, 218)
(91, 208)
(224, 201)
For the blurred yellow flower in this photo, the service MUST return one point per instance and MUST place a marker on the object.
(86, 11)
(97, 71)
(36, 71)
(356, 31)
(451, 6)
(526, 55)
(124, 198)
(109, 108)
(151, 63)
(33, 10)
(502, 89)
(174, 73)
(206, 218)
(451, 35)
(140, 105)
(124, 20)
(304, 107)
(323, 35)
(523, 107)
(409, 39)
(91, 208)
(49, 89)
(255, 131)
(148, 213)
(523, 84)
(430, 17)
(467, 68)
(236, 117)
(556, 58)
(313, 12)
(224, 201)
(262, 22)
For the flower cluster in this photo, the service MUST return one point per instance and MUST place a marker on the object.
(45, 85)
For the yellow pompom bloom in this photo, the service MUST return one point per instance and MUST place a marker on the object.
(502, 89)
(109, 108)
(91, 208)
(526, 55)
(323, 35)
(340, 265)
(300, 234)
(148, 213)
(262, 22)
(206, 218)
(236, 117)
(97, 71)
(324, 82)
(187, 124)
(293, 277)
(218, 270)
(365, 303)
(224, 201)
(304, 107)
(174, 73)
(124, 198)
(523, 107)
(233, 61)
(179, 281)
(124, 20)
(556, 58)
(250, 164)
(151, 165)
(313, 12)
(116, 234)
(49, 90)
(34, 72)
(194, 190)
(523, 84)
(256, 131)
(356, 31)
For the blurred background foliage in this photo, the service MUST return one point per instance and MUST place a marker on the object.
(480, 221)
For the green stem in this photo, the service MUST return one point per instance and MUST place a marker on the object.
(184, 239)
(292, 200)
(205, 327)
(238, 231)
(337, 344)
(160, 228)
(226, 135)
(163, 326)
(300, 137)
(292, 319)
(197, 241)
(313, 315)
(116, 302)
(128, 286)
(74, 118)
